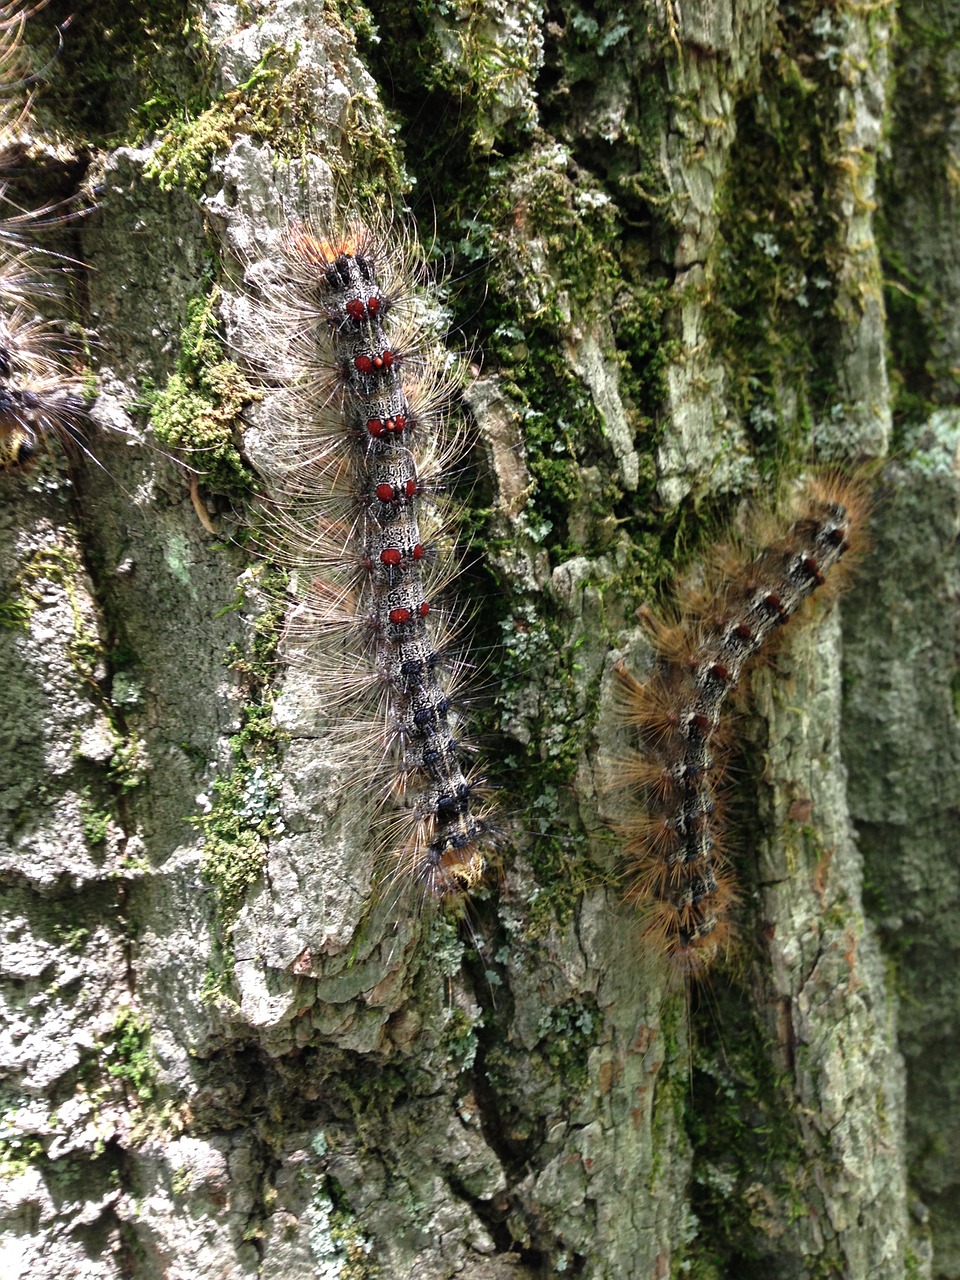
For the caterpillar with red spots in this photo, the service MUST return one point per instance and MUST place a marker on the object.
(360, 440)
(40, 395)
(725, 615)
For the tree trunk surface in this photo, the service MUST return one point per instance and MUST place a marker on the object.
(692, 246)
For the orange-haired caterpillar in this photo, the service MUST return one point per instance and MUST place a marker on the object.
(358, 443)
(723, 618)
(40, 400)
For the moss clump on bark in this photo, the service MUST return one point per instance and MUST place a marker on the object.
(197, 414)
(128, 1056)
(259, 108)
(771, 290)
(749, 1159)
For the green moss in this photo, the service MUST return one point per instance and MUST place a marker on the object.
(914, 1266)
(233, 852)
(266, 107)
(59, 566)
(466, 64)
(548, 249)
(122, 69)
(74, 937)
(554, 257)
(645, 348)
(552, 1078)
(127, 1054)
(537, 651)
(772, 296)
(19, 1149)
(672, 1086)
(127, 764)
(197, 413)
(16, 611)
(917, 186)
(96, 822)
(458, 1043)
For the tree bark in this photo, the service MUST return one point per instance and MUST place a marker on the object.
(225, 1053)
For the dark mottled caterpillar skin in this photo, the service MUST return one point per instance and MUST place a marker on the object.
(357, 511)
(679, 874)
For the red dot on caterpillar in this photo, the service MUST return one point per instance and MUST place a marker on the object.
(390, 556)
(395, 425)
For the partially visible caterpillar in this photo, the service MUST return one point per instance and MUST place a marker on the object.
(360, 442)
(40, 400)
(723, 618)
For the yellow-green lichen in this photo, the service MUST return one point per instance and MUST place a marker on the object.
(58, 566)
(197, 414)
(246, 807)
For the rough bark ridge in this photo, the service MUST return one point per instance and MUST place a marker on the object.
(218, 1061)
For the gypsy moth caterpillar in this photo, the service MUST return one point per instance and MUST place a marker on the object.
(40, 400)
(360, 440)
(724, 617)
